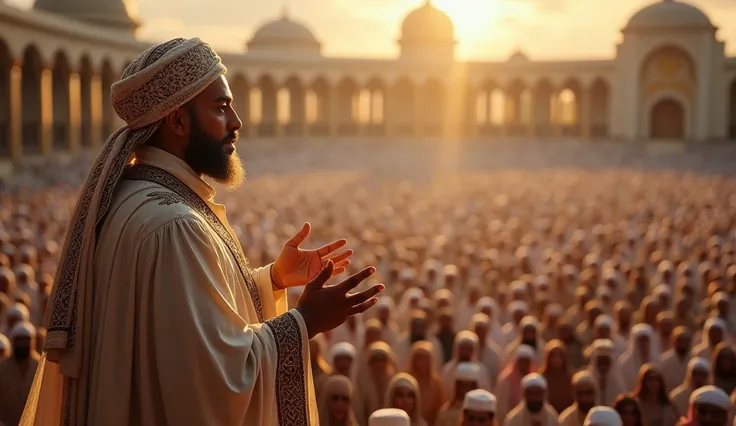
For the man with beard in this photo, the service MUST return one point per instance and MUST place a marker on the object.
(16, 373)
(585, 395)
(709, 406)
(156, 315)
(533, 409)
(674, 361)
(479, 408)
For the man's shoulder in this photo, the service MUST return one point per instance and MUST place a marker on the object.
(143, 207)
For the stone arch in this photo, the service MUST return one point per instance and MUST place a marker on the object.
(670, 70)
(297, 106)
(6, 65)
(433, 105)
(347, 101)
(319, 107)
(514, 108)
(107, 77)
(544, 93)
(373, 100)
(87, 101)
(600, 101)
(568, 107)
(402, 106)
(267, 97)
(31, 110)
(60, 73)
(667, 119)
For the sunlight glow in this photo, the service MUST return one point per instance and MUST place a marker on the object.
(472, 18)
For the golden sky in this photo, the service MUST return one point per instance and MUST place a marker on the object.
(486, 29)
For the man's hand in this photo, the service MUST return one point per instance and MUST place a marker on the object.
(296, 267)
(324, 308)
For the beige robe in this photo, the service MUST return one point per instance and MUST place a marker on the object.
(673, 369)
(572, 416)
(176, 336)
(449, 414)
(520, 416)
(14, 388)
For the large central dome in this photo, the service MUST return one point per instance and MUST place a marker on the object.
(427, 24)
(667, 15)
(284, 35)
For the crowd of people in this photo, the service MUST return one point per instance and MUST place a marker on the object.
(518, 295)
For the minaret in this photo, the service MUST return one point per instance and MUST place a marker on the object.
(113, 14)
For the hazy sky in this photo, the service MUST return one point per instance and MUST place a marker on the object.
(485, 28)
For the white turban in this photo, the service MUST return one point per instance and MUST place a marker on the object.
(533, 380)
(662, 290)
(555, 310)
(407, 274)
(711, 395)
(480, 318)
(467, 372)
(582, 377)
(698, 363)
(600, 347)
(19, 312)
(466, 336)
(483, 303)
(524, 352)
(343, 349)
(384, 302)
(518, 286)
(480, 400)
(642, 330)
(604, 321)
(389, 417)
(603, 416)
(23, 329)
(518, 306)
(529, 321)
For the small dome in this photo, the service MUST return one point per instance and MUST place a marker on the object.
(284, 34)
(518, 56)
(115, 14)
(668, 14)
(427, 24)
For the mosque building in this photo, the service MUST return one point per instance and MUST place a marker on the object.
(670, 79)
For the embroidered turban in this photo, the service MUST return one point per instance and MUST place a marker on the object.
(160, 80)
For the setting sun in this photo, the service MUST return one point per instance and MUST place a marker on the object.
(471, 17)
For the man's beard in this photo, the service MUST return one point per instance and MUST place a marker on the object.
(584, 408)
(207, 156)
(535, 406)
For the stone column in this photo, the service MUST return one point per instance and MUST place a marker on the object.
(418, 118)
(16, 113)
(334, 118)
(75, 112)
(96, 107)
(585, 111)
(47, 111)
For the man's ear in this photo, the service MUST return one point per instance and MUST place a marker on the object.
(178, 121)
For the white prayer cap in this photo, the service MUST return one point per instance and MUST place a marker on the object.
(385, 302)
(518, 306)
(407, 274)
(541, 281)
(662, 289)
(665, 265)
(524, 352)
(484, 302)
(23, 329)
(604, 292)
(19, 312)
(451, 270)
(444, 294)
(467, 372)
(529, 321)
(698, 363)
(413, 293)
(642, 330)
(555, 310)
(711, 395)
(715, 323)
(604, 321)
(389, 417)
(583, 376)
(603, 416)
(518, 287)
(4, 342)
(533, 380)
(480, 318)
(480, 400)
(600, 347)
(466, 336)
(343, 349)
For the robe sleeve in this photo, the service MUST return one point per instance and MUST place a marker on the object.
(211, 367)
(269, 294)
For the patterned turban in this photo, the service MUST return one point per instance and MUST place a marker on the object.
(160, 80)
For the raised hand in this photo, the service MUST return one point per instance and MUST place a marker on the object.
(296, 267)
(326, 307)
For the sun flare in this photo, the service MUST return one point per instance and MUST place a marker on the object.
(471, 17)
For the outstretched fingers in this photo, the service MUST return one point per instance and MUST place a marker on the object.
(320, 280)
(364, 300)
(300, 236)
(355, 279)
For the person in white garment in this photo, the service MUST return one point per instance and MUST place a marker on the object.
(709, 406)
(533, 410)
(479, 409)
(603, 416)
(389, 417)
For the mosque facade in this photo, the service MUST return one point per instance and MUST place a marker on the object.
(670, 79)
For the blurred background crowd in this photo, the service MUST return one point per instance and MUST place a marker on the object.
(556, 276)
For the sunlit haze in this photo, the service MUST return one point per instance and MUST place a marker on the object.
(488, 29)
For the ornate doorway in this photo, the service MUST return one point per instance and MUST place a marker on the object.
(667, 120)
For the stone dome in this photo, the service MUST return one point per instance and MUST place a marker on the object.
(518, 56)
(114, 14)
(669, 14)
(427, 24)
(284, 35)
